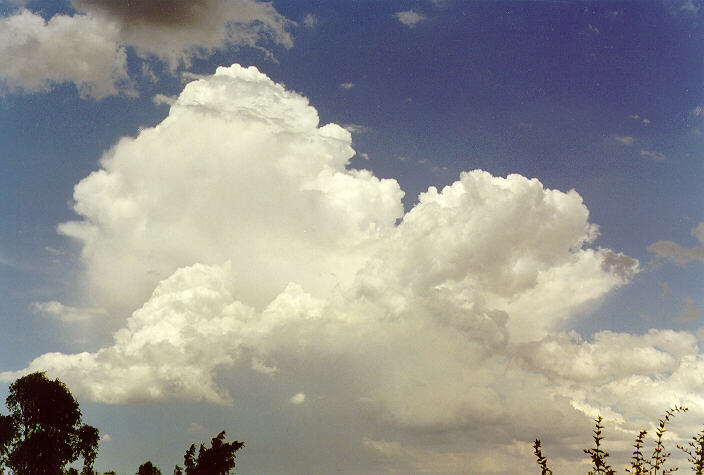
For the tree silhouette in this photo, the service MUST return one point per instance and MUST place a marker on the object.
(640, 465)
(147, 468)
(219, 459)
(88, 438)
(43, 432)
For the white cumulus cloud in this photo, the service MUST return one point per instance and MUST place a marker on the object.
(267, 188)
(235, 235)
(298, 398)
(81, 49)
(89, 48)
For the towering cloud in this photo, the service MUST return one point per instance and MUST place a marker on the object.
(241, 171)
(234, 235)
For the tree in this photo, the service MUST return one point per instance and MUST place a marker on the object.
(177, 470)
(147, 468)
(43, 432)
(219, 459)
(88, 438)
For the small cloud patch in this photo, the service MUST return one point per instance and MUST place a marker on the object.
(310, 20)
(698, 232)
(355, 128)
(160, 99)
(689, 313)
(656, 156)
(298, 399)
(410, 18)
(642, 120)
(65, 313)
(626, 140)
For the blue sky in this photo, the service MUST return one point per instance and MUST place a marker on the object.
(225, 266)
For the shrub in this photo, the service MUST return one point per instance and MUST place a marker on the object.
(640, 465)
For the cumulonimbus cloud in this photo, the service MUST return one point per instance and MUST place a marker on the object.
(234, 235)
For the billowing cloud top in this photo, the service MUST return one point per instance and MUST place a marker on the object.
(239, 170)
(235, 235)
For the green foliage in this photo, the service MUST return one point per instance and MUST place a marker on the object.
(43, 432)
(640, 465)
(542, 461)
(597, 454)
(219, 459)
(638, 462)
(660, 456)
(695, 452)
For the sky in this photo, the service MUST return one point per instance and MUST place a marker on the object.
(359, 236)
